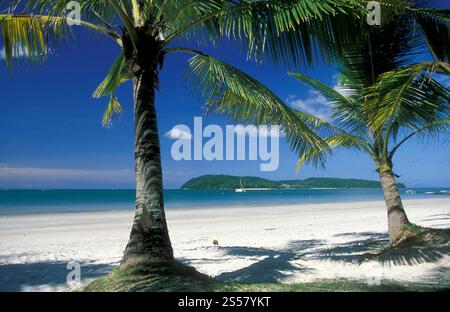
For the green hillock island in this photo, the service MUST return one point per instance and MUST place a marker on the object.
(215, 182)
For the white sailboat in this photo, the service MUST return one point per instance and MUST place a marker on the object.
(241, 189)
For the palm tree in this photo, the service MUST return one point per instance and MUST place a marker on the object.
(146, 31)
(382, 101)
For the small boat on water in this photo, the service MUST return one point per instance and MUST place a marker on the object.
(241, 189)
(411, 192)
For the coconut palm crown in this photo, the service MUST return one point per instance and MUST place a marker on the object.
(383, 100)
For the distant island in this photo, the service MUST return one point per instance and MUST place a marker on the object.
(232, 182)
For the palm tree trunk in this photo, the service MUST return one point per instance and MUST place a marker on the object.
(397, 219)
(149, 241)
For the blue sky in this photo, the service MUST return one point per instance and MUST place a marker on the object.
(51, 134)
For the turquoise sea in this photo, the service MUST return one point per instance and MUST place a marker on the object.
(57, 201)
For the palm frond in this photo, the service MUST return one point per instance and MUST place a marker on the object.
(346, 109)
(230, 91)
(329, 93)
(317, 156)
(320, 127)
(435, 25)
(378, 50)
(289, 31)
(194, 20)
(334, 136)
(284, 31)
(117, 75)
(28, 36)
(126, 17)
(113, 108)
(94, 13)
(408, 97)
(391, 101)
(432, 130)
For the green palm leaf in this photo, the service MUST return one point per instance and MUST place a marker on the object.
(329, 93)
(333, 135)
(408, 97)
(436, 32)
(117, 75)
(26, 36)
(317, 156)
(229, 91)
(113, 108)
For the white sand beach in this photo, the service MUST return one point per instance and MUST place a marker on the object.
(289, 244)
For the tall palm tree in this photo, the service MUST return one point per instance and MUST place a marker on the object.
(382, 101)
(146, 31)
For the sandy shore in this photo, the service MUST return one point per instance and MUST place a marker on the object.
(292, 243)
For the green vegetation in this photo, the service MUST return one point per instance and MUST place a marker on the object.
(181, 278)
(415, 236)
(339, 285)
(176, 277)
(378, 108)
(231, 182)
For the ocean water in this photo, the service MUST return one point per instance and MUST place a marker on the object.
(59, 201)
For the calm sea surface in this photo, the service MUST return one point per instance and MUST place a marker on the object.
(55, 201)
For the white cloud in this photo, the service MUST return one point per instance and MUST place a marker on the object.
(20, 53)
(342, 90)
(28, 176)
(178, 132)
(183, 132)
(259, 131)
(315, 104)
(16, 54)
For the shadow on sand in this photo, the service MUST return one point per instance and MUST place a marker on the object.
(279, 264)
(438, 217)
(271, 265)
(20, 277)
(276, 265)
